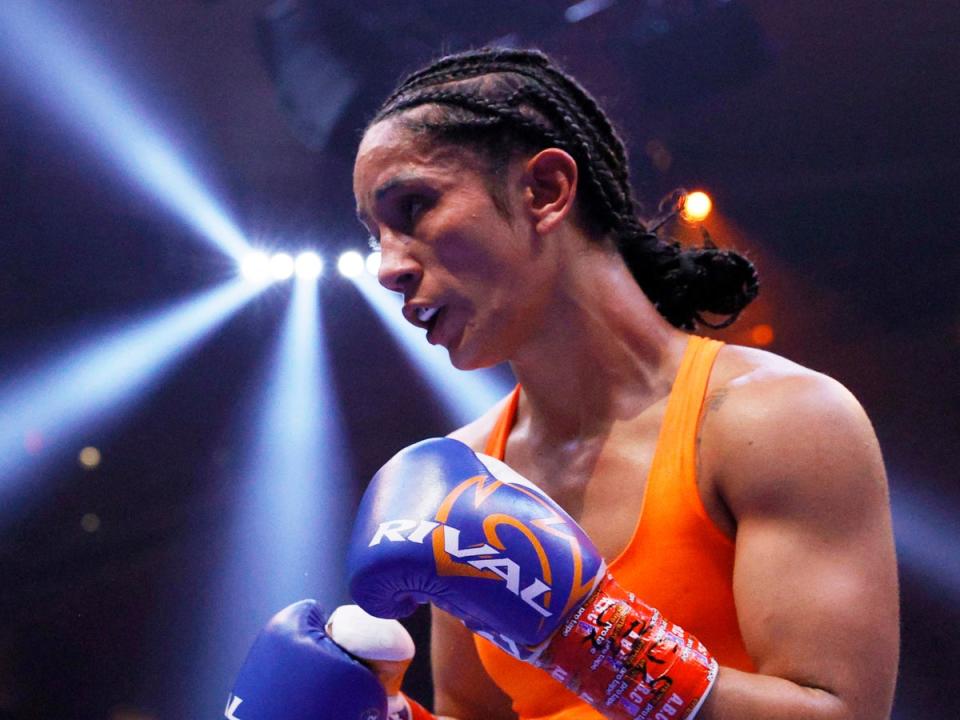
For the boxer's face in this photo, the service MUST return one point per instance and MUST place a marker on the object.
(447, 247)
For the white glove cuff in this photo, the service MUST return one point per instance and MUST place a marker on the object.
(398, 708)
(369, 637)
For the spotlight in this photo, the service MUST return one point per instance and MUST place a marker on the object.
(255, 267)
(281, 266)
(696, 206)
(309, 266)
(373, 262)
(350, 264)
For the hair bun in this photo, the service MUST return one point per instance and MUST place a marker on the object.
(719, 282)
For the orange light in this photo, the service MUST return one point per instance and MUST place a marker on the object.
(761, 335)
(696, 206)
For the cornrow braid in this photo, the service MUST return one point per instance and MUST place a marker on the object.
(503, 102)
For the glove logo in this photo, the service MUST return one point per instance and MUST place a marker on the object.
(233, 702)
(550, 524)
(489, 560)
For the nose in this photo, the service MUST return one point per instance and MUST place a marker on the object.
(399, 270)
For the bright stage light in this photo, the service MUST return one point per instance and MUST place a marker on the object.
(92, 385)
(373, 263)
(464, 395)
(281, 266)
(350, 264)
(69, 77)
(696, 206)
(255, 267)
(309, 265)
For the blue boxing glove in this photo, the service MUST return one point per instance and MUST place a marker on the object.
(444, 525)
(294, 671)
(439, 524)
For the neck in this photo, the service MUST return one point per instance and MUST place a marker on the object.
(602, 354)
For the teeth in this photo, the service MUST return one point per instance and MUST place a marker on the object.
(424, 314)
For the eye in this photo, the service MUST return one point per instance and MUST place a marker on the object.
(411, 207)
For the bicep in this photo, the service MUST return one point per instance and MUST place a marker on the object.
(462, 688)
(815, 575)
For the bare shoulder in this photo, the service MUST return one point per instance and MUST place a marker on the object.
(475, 434)
(773, 428)
(759, 382)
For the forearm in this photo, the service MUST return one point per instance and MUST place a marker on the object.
(739, 695)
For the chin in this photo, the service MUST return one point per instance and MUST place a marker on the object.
(461, 362)
(464, 359)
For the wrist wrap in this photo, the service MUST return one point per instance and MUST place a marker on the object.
(625, 660)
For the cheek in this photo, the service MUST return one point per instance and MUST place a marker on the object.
(461, 254)
(477, 242)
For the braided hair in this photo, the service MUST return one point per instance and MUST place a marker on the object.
(504, 102)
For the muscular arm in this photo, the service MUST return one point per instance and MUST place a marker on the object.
(797, 463)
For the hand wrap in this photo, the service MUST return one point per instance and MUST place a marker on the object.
(623, 658)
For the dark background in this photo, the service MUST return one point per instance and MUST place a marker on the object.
(825, 131)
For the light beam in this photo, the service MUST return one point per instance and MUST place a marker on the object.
(47, 407)
(298, 472)
(295, 498)
(69, 77)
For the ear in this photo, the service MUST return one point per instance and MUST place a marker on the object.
(550, 179)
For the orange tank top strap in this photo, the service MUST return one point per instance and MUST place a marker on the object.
(497, 442)
(678, 561)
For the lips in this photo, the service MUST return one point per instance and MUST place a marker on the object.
(423, 316)
(430, 318)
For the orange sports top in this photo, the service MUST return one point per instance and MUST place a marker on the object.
(677, 561)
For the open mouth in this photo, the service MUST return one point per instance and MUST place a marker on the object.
(426, 314)
(428, 317)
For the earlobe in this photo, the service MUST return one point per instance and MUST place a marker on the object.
(551, 179)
